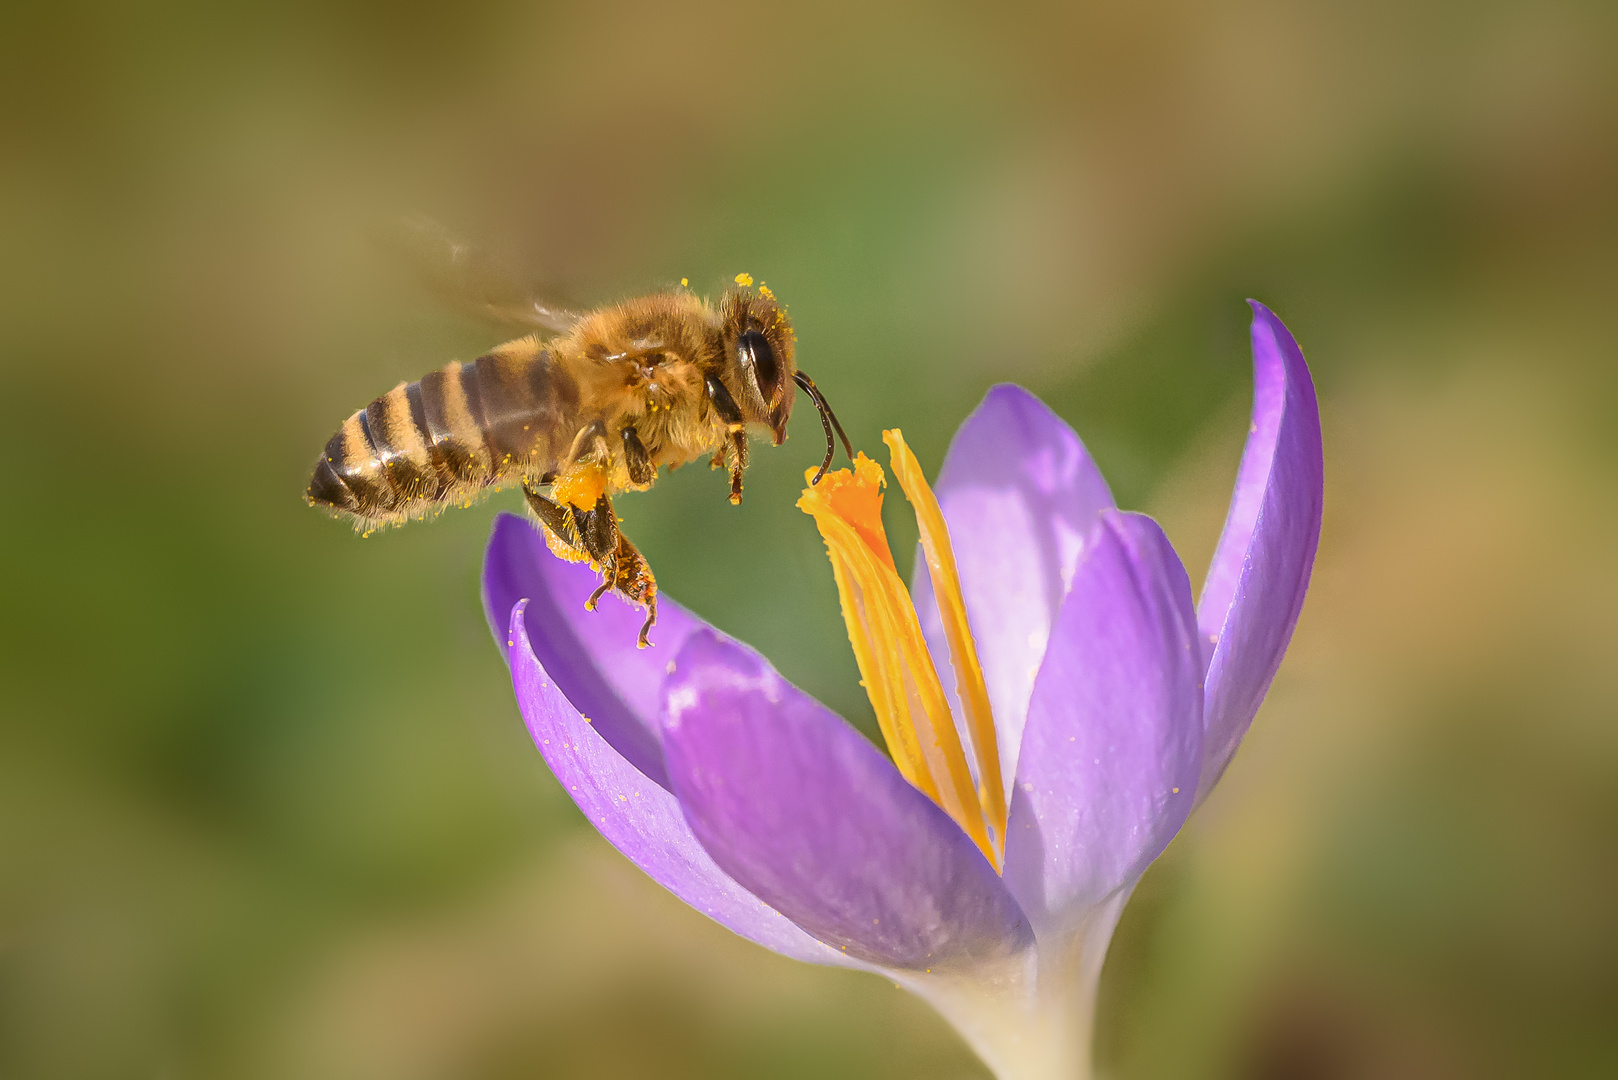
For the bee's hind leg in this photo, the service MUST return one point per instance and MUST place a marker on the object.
(577, 535)
(594, 534)
(623, 567)
(633, 578)
(560, 534)
(597, 529)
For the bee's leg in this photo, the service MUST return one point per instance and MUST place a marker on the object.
(594, 535)
(637, 460)
(560, 534)
(623, 568)
(738, 465)
(634, 580)
(591, 441)
(598, 536)
(725, 406)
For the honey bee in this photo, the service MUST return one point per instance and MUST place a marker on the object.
(590, 406)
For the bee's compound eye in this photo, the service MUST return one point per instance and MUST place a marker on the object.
(753, 349)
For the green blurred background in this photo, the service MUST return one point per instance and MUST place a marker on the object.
(266, 805)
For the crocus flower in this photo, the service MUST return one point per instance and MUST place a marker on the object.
(1054, 704)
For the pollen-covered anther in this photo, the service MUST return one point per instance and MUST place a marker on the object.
(896, 668)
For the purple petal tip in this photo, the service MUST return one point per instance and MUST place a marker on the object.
(1256, 583)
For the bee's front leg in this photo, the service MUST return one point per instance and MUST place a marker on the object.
(736, 429)
(738, 465)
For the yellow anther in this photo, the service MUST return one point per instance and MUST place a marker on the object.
(895, 667)
(946, 581)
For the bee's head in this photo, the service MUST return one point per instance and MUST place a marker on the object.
(759, 364)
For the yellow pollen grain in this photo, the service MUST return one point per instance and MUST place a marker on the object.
(744, 280)
(895, 666)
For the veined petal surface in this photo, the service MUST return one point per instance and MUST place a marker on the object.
(591, 654)
(638, 817)
(1020, 493)
(1260, 571)
(1113, 744)
(805, 813)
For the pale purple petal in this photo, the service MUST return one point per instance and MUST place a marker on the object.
(592, 655)
(802, 810)
(1019, 493)
(1113, 744)
(1260, 571)
(638, 817)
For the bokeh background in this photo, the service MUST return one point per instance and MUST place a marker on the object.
(266, 805)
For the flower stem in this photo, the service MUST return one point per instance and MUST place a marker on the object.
(1032, 1018)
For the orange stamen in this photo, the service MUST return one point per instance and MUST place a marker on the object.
(963, 653)
(895, 666)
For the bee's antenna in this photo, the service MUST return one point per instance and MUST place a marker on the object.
(828, 420)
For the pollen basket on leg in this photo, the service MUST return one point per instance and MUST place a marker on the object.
(581, 485)
(894, 663)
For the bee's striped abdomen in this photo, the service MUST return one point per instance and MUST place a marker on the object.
(457, 431)
(453, 419)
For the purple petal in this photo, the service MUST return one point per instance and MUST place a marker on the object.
(1260, 571)
(1020, 493)
(1113, 744)
(638, 817)
(592, 655)
(802, 810)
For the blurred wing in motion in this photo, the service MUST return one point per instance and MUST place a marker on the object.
(472, 281)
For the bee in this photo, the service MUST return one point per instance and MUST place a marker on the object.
(589, 406)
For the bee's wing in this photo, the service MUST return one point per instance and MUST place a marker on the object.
(473, 281)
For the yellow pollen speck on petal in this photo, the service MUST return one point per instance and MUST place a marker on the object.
(895, 665)
(1176, 791)
(744, 280)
